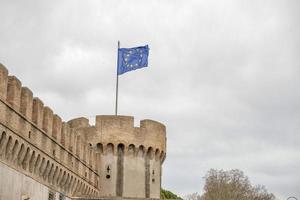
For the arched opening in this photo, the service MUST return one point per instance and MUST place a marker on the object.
(70, 184)
(20, 154)
(2, 139)
(50, 174)
(31, 161)
(46, 170)
(150, 153)
(131, 149)
(37, 162)
(110, 148)
(59, 177)
(62, 179)
(65, 184)
(141, 151)
(99, 148)
(42, 166)
(24, 161)
(8, 145)
(55, 175)
(157, 154)
(14, 149)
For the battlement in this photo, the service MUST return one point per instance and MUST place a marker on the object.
(69, 157)
(113, 131)
(26, 120)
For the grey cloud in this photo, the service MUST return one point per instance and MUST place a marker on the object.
(223, 77)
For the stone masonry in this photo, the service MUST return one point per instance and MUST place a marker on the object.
(75, 160)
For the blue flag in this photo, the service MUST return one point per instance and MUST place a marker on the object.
(132, 58)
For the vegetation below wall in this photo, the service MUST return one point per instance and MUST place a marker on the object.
(230, 185)
(166, 194)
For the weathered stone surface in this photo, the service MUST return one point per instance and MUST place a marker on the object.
(111, 160)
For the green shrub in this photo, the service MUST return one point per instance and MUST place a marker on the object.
(166, 194)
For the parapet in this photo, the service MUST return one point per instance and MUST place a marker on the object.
(119, 130)
(153, 126)
(79, 123)
(29, 119)
(114, 122)
(3, 82)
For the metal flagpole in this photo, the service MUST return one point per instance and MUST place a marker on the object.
(117, 83)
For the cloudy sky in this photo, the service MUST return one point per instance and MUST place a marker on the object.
(223, 77)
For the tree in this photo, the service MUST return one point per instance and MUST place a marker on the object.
(232, 185)
(166, 194)
(193, 196)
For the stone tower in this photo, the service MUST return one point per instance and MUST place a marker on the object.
(44, 157)
(129, 158)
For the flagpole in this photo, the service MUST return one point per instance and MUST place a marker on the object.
(117, 82)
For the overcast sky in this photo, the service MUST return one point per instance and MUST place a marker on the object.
(223, 77)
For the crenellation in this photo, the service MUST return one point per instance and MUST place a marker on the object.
(3, 81)
(26, 110)
(67, 133)
(48, 120)
(26, 102)
(37, 112)
(152, 125)
(105, 122)
(64, 134)
(149, 134)
(14, 92)
(112, 158)
(139, 159)
(26, 159)
(81, 122)
(56, 127)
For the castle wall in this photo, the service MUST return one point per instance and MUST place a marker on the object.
(39, 152)
(108, 171)
(134, 173)
(15, 185)
(155, 178)
(121, 130)
(35, 142)
(130, 164)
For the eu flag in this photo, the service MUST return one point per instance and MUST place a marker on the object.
(132, 58)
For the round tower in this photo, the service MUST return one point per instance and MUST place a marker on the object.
(129, 158)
